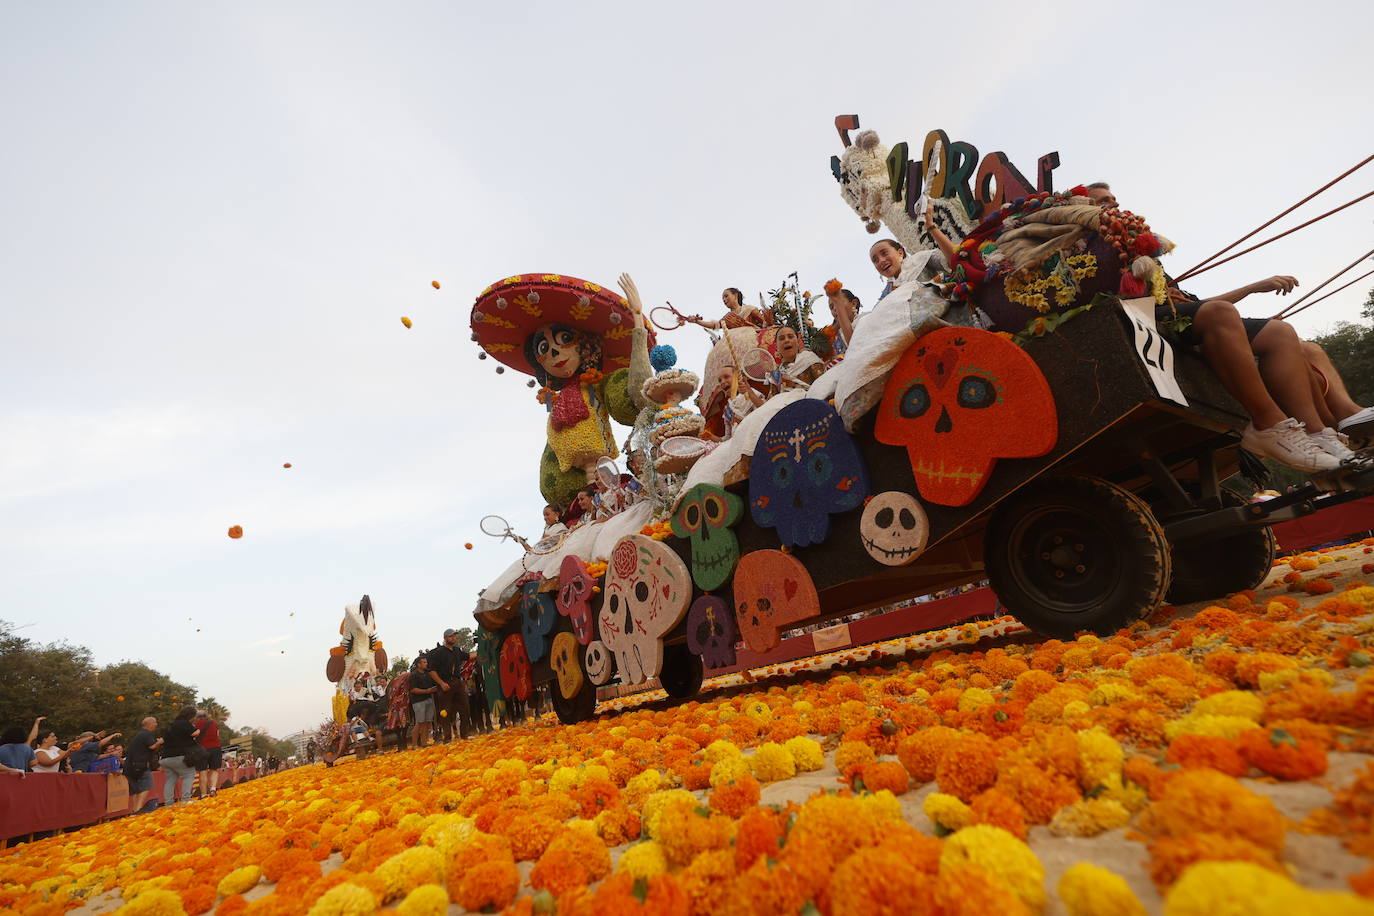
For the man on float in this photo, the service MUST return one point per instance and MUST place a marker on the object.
(1286, 419)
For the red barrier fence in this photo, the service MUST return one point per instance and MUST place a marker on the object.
(57, 801)
(1326, 526)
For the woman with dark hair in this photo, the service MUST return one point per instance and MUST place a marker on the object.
(739, 315)
(844, 308)
(178, 741)
(48, 757)
(16, 750)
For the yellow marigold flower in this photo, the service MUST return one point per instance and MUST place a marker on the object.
(803, 706)
(718, 750)
(1240, 703)
(644, 860)
(655, 804)
(1089, 817)
(1077, 659)
(1216, 726)
(1212, 888)
(1076, 708)
(758, 709)
(1089, 890)
(153, 902)
(239, 881)
(947, 812)
(1130, 796)
(1363, 596)
(410, 868)
(651, 780)
(1099, 756)
(241, 839)
(771, 762)
(425, 900)
(563, 779)
(1112, 692)
(806, 753)
(729, 769)
(346, 899)
(1002, 855)
(975, 698)
(882, 807)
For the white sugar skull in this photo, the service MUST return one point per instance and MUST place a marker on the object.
(597, 661)
(648, 589)
(894, 528)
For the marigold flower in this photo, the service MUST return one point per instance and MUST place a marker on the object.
(807, 754)
(968, 766)
(734, 798)
(851, 755)
(644, 860)
(345, 900)
(239, 881)
(425, 900)
(947, 812)
(729, 769)
(920, 753)
(1100, 757)
(760, 832)
(1250, 667)
(708, 880)
(880, 881)
(1089, 890)
(1216, 726)
(153, 902)
(686, 829)
(999, 809)
(1089, 817)
(1278, 753)
(771, 762)
(1000, 854)
(1196, 800)
(1193, 751)
(973, 891)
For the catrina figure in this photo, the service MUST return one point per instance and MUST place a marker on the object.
(588, 350)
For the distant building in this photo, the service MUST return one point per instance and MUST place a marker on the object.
(300, 740)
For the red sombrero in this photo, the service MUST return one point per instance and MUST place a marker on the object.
(507, 312)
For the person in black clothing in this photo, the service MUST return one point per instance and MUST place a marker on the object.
(423, 686)
(139, 762)
(446, 661)
(179, 740)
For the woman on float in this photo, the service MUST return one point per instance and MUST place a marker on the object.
(800, 366)
(739, 315)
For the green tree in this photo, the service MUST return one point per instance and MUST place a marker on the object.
(466, 639)
(399, 665)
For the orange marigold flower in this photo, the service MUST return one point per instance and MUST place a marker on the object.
(198, 899)
(1031, 684)
(881, 774)
(1249, 667)
(999, 809)
(1279, 753)
(920, 753)
(972, 891)
(492, 883)
(737, 796)
(1219, 754)
(1040, 792)
(880, 882)
(708, 880)
(767, 888)
(1193, 801)
(233, 905)
(760, 833)
(968, 766)
(1171, 856)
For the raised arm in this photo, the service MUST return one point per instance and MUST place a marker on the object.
(941, 240)
(33, 732)
(1281, 284)
(640, 370)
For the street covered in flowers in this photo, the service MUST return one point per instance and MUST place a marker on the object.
(1219, 751)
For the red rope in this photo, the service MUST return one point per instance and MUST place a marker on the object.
(1195, 271)
(1312, 292)
(1329, 295)
(1353, 169)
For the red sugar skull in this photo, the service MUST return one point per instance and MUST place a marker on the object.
(575, 596)
(772, 590)
(959, 399)
(515, 668)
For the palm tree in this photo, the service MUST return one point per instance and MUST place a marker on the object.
(217, 710)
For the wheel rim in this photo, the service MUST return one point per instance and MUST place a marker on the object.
(1067, 560)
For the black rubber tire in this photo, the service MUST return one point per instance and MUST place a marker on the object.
(682, 672)
(1066, 554)
(1214, 569)
(582, 705)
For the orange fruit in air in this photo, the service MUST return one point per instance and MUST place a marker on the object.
(434, 283)
(236, 532)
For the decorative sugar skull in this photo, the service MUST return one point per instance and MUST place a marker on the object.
(711, 631)
(563, 659)
(647, 592)
(537, 617)
(959, 399)
(515, 668)
(772, 589)
(598, 662)
(894, 528)
(805, 469)
(489, 661)
(575, 587)
(705, 515)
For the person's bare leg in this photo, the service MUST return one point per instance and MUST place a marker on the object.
(1319, 397)
(1336, 398)
(1227, 351)
(1284, 370)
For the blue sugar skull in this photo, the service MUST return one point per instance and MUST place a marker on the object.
(538, 614)
(805, 469)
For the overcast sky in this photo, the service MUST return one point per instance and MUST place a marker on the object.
(214, 216)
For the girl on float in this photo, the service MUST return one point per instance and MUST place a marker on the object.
(739, 315)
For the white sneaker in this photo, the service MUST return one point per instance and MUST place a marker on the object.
(1288, 443)
(1334, 444)
(1360, 424)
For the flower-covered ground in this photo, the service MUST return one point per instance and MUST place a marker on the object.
(1215, 759)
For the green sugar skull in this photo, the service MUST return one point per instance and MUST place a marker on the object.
(705, 515)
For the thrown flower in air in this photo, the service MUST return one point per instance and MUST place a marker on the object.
(405, 321)
(467, 546)
(286, 464)
(236, 532)
(434, 283)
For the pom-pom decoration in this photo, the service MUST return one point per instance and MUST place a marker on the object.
(663, 357)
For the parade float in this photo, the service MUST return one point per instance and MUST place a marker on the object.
(1017, 415)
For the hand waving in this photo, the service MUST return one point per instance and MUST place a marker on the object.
(631, 293)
